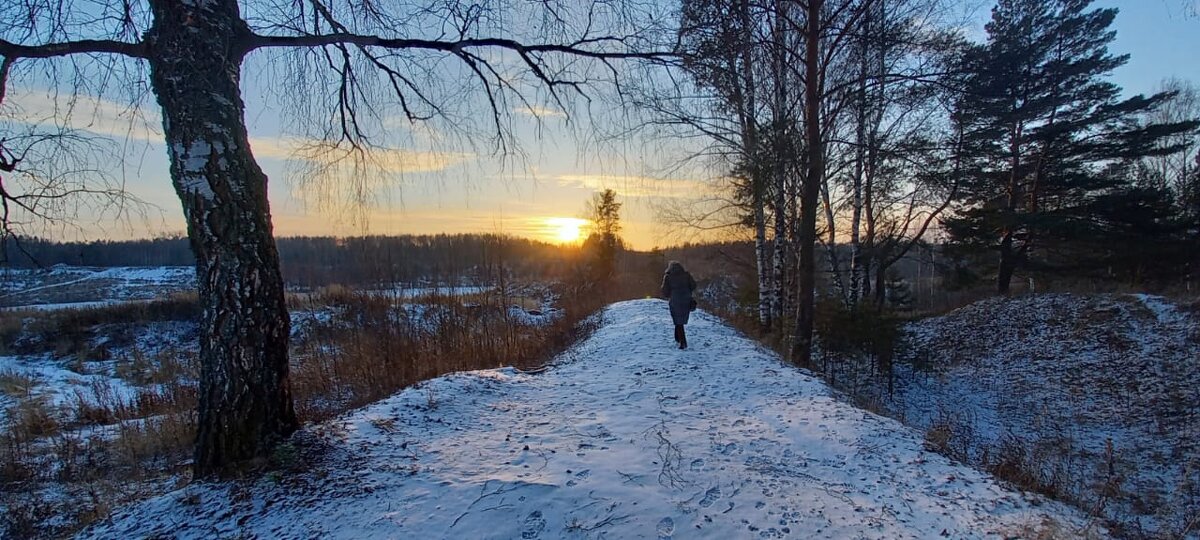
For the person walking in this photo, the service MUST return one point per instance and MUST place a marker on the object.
(677, 288)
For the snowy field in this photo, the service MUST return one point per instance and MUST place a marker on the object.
(625, 437)
(59, 380)
(67, 287)
(81, 287)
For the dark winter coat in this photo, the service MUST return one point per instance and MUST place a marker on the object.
(677, 287)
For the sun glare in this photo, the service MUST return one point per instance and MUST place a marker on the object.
(566, 230)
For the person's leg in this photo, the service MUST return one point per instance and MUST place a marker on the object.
(682, 338)
(678, 333)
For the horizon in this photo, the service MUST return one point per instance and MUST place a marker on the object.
(181, 237)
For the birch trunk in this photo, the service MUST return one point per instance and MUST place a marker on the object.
(860, 156)
(778, 169)
(767, 292)
(245, 400)
(747, 107)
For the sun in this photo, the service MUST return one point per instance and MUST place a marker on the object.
(566, 230)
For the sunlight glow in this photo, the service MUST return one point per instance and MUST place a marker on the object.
(565, 230)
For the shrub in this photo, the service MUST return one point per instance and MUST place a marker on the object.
(15, 384)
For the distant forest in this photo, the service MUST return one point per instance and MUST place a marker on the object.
(322, 260)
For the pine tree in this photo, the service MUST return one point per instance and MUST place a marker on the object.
(1043, 125)
(603, 244)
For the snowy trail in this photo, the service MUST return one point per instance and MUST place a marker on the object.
(626, 438)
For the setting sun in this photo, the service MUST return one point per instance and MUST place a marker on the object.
(565, 230)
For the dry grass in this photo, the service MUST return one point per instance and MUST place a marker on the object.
(15, 384)
(70, 332)
(63, 466)
(372, 349)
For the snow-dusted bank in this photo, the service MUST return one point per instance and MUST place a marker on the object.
(1095, 394)
(625, 438)
(80, 287)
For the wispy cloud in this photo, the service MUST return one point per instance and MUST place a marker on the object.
(540, 112)
(638, 186)
(128, 121)
(105, 117)
(389, 160)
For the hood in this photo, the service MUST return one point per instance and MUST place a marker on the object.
(675, 268)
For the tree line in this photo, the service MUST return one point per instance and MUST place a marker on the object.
(314, 261)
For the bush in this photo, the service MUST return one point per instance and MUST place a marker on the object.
(847, 338)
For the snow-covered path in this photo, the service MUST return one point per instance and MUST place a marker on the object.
(625, 438)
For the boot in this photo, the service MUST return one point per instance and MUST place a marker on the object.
(682, 338)
(679, 334)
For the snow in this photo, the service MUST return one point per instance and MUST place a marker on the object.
(541, 317)
(625, 437)
(1065, 376)
(63, 286)
(1163, 310)
(64, 305)
(59, 386)
(418, 292)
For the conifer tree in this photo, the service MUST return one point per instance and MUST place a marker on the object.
(1043, 126)
(605, 241)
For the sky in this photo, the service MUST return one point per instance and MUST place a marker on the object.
(433, 183)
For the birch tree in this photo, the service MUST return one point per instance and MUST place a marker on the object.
(722, 43)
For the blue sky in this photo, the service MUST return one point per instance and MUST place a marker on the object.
(438, 185)
(1161, 38)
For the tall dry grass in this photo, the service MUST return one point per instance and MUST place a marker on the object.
(372, 347)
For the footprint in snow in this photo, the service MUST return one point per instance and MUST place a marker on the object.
(534, 525)
(710, 496)
(665, 528)
(697, 464)
(579, 476)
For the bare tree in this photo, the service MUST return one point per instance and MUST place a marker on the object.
(902, 59)
(192, 53)
(870, 70)
(813, 62)
(48, 177)
(723, 44)
(1172, 170)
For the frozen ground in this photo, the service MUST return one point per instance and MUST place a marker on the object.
(63, 382)
(625, 437)
(1095, 394)
(62, 287)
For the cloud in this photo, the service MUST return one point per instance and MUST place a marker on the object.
(129, 121)
(539, 112)
(323, 155)
(118, 120)
(638, 186)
